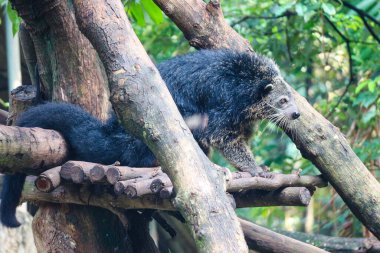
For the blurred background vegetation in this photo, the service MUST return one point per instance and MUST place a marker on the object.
(330, 52)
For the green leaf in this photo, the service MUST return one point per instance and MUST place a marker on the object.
(369, 115)
(136, 11)
(12, 14)
(308, 15)
(153, 11)
(300, 9)
(372, 86)
(361, 85)
(328, 8)
(365, 99)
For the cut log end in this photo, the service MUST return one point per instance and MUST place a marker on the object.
(77, 174)
(44, 184)
(131, 191)
(156, 185)
(166, 193)
(119, 188)
(113, 175)
(97, 173)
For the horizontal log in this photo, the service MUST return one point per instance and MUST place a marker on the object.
(153, 181)
(290, 196)
(30, 150)
(278, 181)
(81, 194)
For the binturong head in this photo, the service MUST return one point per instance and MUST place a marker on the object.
(259, 88)
(278, 100)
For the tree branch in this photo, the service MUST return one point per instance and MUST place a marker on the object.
(245, 18)
(337, 244)
(359, 11)
(265, 240)
(350, 66)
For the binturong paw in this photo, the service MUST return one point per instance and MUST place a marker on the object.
(262, 171)
(266, 174)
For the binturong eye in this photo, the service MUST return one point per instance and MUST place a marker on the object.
(283, 101)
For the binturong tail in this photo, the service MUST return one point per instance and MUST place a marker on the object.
(10, 197)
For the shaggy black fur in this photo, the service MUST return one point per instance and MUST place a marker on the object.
(226, 86)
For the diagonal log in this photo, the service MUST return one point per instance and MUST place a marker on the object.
(146, 109)
(316, 138)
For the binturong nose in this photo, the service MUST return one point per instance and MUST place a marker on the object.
(296, 115)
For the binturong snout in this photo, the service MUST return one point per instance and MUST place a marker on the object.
(292, 112)
(296, 115)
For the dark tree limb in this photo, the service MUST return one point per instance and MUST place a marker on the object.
(350, 65)
(265, 240)
(145, 107)
(316, 138)
(359, 11)
(337, 244)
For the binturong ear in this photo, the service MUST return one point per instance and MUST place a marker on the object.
(268, 88)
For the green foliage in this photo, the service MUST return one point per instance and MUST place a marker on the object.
(141, 10)
(12, 14)
(305, 38)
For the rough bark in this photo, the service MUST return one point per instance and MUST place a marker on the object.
(318, 140)
(265, 240)
(30, 150)
(20, 99)
(205, 26)
(60, 229)
(145, 107)
(69, 66)
(290, 196)
(278, 181)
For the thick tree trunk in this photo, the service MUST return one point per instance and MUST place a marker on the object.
(70, 70)
(318, 140)
(145, 107)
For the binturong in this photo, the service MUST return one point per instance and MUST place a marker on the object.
(220, 93)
